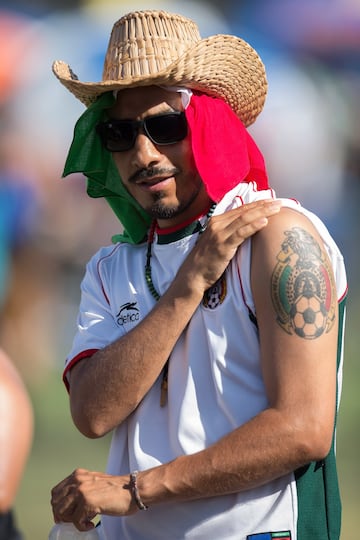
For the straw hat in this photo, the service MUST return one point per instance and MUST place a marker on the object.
(160, 48)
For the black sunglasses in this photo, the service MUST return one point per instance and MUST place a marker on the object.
(120, 135)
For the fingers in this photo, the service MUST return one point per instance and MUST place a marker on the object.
(85, 494)
(69, 501)
(221, 239)
(254, 214)
(238, 224)
(256, 217)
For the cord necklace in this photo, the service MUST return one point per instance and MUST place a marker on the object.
(156, 295)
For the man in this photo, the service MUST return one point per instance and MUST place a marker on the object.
(212, 356)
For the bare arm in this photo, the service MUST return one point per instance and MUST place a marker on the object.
(16, 431)
(107, 387)
(300, 376)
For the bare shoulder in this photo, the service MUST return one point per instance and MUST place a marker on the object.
(280, 225)
(288, 233)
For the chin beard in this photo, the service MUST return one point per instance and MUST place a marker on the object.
(159, 210)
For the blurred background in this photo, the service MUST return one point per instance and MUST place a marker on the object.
(309, 133)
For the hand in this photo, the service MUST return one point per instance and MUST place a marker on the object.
(221, 239)
(84, 494)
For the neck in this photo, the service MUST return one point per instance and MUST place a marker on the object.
(168, 229)
(148, 277)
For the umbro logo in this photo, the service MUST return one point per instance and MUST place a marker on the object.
(128, 313)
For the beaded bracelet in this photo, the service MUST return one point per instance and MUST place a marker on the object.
(135, 491)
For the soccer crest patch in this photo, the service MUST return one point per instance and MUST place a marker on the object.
(215, 295)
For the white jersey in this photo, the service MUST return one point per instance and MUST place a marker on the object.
(214, 384)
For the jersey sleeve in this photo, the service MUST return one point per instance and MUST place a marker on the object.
(96, 322)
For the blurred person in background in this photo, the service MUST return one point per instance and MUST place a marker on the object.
(17, 205)
(210, 335)
(19, 215)
(16, 435)
(16, 414)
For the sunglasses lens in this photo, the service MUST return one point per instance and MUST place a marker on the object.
(117, 136)
(120, 135)
(166, 128)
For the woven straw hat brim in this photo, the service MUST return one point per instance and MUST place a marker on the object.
(224, 66)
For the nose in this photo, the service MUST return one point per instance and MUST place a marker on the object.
(145, 152)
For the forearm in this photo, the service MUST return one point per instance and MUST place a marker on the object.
(108, 386)
(267, 447)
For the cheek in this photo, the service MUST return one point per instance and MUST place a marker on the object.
(186, 157)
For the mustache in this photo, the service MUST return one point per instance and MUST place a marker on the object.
(152, 172)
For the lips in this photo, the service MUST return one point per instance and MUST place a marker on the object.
(152, 180)
(154, 183)
(153, 175)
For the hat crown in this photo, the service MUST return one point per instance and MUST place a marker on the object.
(159, 48)
(144, 43)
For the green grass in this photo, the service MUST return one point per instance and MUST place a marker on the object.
(58, 448)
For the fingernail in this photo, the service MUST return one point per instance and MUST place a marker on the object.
(275, 204)
(261, 221)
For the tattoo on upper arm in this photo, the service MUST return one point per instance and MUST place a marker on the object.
(302, 286)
